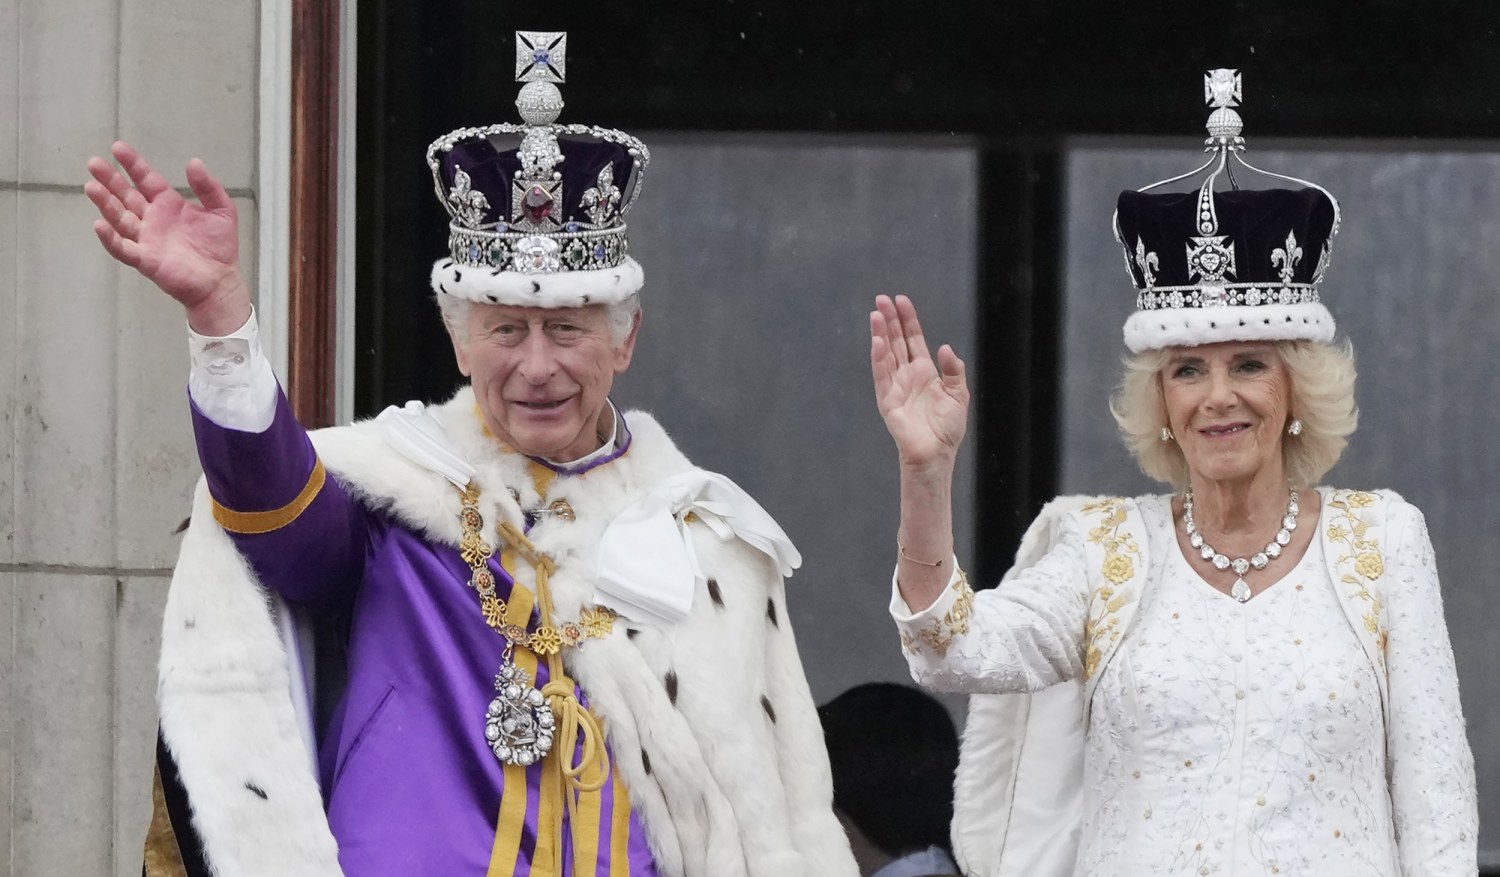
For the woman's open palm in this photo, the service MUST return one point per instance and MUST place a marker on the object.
(925, 403)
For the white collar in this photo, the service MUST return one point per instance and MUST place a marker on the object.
(607, 448)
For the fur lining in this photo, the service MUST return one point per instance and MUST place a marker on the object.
(563, 289)
(725, 764)
(227, 716)
(1189, 327)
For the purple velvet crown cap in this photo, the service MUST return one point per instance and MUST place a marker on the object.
(538, 208)
(493, 161)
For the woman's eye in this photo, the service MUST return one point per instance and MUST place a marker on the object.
(1185, 371)
(1252, 365)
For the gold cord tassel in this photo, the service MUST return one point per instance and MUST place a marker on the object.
(589, 770)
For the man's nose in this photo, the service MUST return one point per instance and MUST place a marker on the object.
(538, 358)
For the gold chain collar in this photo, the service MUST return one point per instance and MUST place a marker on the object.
(594, 622)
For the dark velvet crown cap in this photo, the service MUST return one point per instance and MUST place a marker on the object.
(1256, 226)
(1232, 265)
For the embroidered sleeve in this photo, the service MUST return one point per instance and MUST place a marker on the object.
(1431, 766)
(1022, 636)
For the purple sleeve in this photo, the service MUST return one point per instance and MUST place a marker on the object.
(300, 530)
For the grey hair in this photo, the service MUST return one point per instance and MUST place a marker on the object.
(621, 315)
(1322, 380)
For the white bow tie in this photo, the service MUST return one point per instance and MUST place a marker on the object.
(648, 568)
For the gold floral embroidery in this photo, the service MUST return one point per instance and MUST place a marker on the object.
(1122, 555)
(940, 633)
(1369, 565)
(1361, 554)
(1118, 568)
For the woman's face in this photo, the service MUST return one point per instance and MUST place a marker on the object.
(1227, 406)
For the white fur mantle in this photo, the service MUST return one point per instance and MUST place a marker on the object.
(710, 723)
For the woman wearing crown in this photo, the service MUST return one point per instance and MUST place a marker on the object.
(1250, 675)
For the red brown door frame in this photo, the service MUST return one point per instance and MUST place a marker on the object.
(313, 249)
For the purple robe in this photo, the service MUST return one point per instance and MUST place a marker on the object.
(408, 780)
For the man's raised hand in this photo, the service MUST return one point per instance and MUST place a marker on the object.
(190, 250)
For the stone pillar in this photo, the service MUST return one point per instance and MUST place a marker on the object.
(96, 458)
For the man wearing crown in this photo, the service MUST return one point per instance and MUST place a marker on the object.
(568, 650)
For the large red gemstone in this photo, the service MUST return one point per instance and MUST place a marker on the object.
(537, 205)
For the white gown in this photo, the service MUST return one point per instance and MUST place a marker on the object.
(1236, 739)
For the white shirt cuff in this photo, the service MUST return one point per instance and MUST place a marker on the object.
(902, 613)
(231, 380)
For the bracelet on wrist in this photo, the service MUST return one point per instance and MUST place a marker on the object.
(901, 552)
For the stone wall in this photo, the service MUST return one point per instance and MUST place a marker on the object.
(96, 453)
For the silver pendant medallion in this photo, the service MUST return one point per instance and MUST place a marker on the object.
(519, 726)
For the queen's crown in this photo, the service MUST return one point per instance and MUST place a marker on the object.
(1237, 247)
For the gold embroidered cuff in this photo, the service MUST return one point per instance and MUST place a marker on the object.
(939, 633)
(250, 523)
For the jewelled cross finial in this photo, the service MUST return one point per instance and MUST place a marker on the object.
(1221, 88)
(541, 57)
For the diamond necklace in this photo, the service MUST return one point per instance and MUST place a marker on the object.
(1241, 565)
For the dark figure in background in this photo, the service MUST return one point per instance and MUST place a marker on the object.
(893, 750)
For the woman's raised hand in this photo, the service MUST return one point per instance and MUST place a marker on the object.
(925, 404)
(190, 250)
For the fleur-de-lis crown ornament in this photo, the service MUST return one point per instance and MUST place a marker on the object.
(1211, 265)
(538, 208)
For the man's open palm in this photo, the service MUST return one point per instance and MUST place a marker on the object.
(190, 250)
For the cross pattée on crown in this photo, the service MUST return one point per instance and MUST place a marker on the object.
(541, 56)
(1221, 87)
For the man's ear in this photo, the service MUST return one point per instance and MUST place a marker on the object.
(626, 349)
(460, 350)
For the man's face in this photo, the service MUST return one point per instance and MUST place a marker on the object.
(541, 375)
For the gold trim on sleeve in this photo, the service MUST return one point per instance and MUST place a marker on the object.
(940, 633)
(252, 523)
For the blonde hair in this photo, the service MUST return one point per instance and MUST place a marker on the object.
(1322, 381)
